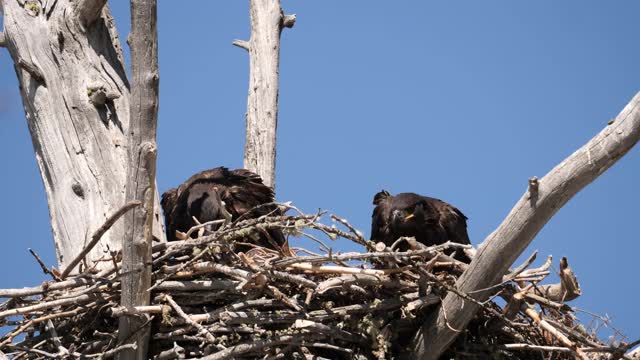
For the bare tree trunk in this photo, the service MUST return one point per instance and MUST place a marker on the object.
(74, 88)
(502, 247)
(136, 249)
(267, 22)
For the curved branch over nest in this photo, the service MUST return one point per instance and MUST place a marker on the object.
(542, 200)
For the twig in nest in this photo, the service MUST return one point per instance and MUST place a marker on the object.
(553, 331)
(291, 302)
(187, 319)
(427, 252)
(238, 350)
(46, 305)
(353, 230)
(534, 347)
(330, 331)
(332, 269)
(201, 226)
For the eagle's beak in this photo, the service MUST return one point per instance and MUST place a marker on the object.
(409, 217)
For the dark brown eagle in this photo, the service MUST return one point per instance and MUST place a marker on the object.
(431, 221)
(218, 194)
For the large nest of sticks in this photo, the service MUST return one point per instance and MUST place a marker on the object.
(210, 300)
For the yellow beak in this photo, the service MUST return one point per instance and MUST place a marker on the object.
(409, 217)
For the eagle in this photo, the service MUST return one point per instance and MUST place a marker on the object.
(431, 221)
(219, 194)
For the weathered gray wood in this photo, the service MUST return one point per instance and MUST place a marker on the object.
(97, 235)
(136, 248)
(88, 10)
(68, 60)
(267, 22)
(526, 219)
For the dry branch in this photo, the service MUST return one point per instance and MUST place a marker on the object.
(568, 288)
(210, 302)
(136, 248)
(525, 220)
(267, 22)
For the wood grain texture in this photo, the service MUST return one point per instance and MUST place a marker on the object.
(76, 99)
(267, 22)
(141, 173)
(526, 219)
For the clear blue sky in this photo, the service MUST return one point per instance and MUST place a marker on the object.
(459, 100)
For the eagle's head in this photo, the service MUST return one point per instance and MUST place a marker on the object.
(204, 204)
(405, 219)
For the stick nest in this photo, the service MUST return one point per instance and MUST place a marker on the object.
(219, 297)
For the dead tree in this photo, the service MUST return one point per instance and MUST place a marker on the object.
(540, 202)
(68, 60)
(267, 22)
(136, 248)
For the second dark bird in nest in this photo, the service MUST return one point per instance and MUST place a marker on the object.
(219, 194)
(431, 221)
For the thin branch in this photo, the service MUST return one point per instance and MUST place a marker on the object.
(43, 266)
(526, 219)
(330, 269)
(237, 350)
(555, 332)
(187, 319)
(97, 235)
(535, 347)
(46, 305)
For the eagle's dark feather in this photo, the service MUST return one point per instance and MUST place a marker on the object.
(431, 221)
(203, 194)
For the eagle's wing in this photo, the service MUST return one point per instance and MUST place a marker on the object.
(380, 218)
(455, 224)
(168, 202)
(244, 191)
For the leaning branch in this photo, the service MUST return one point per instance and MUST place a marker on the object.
(136, 248)
(267, 22)
(526, 219)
